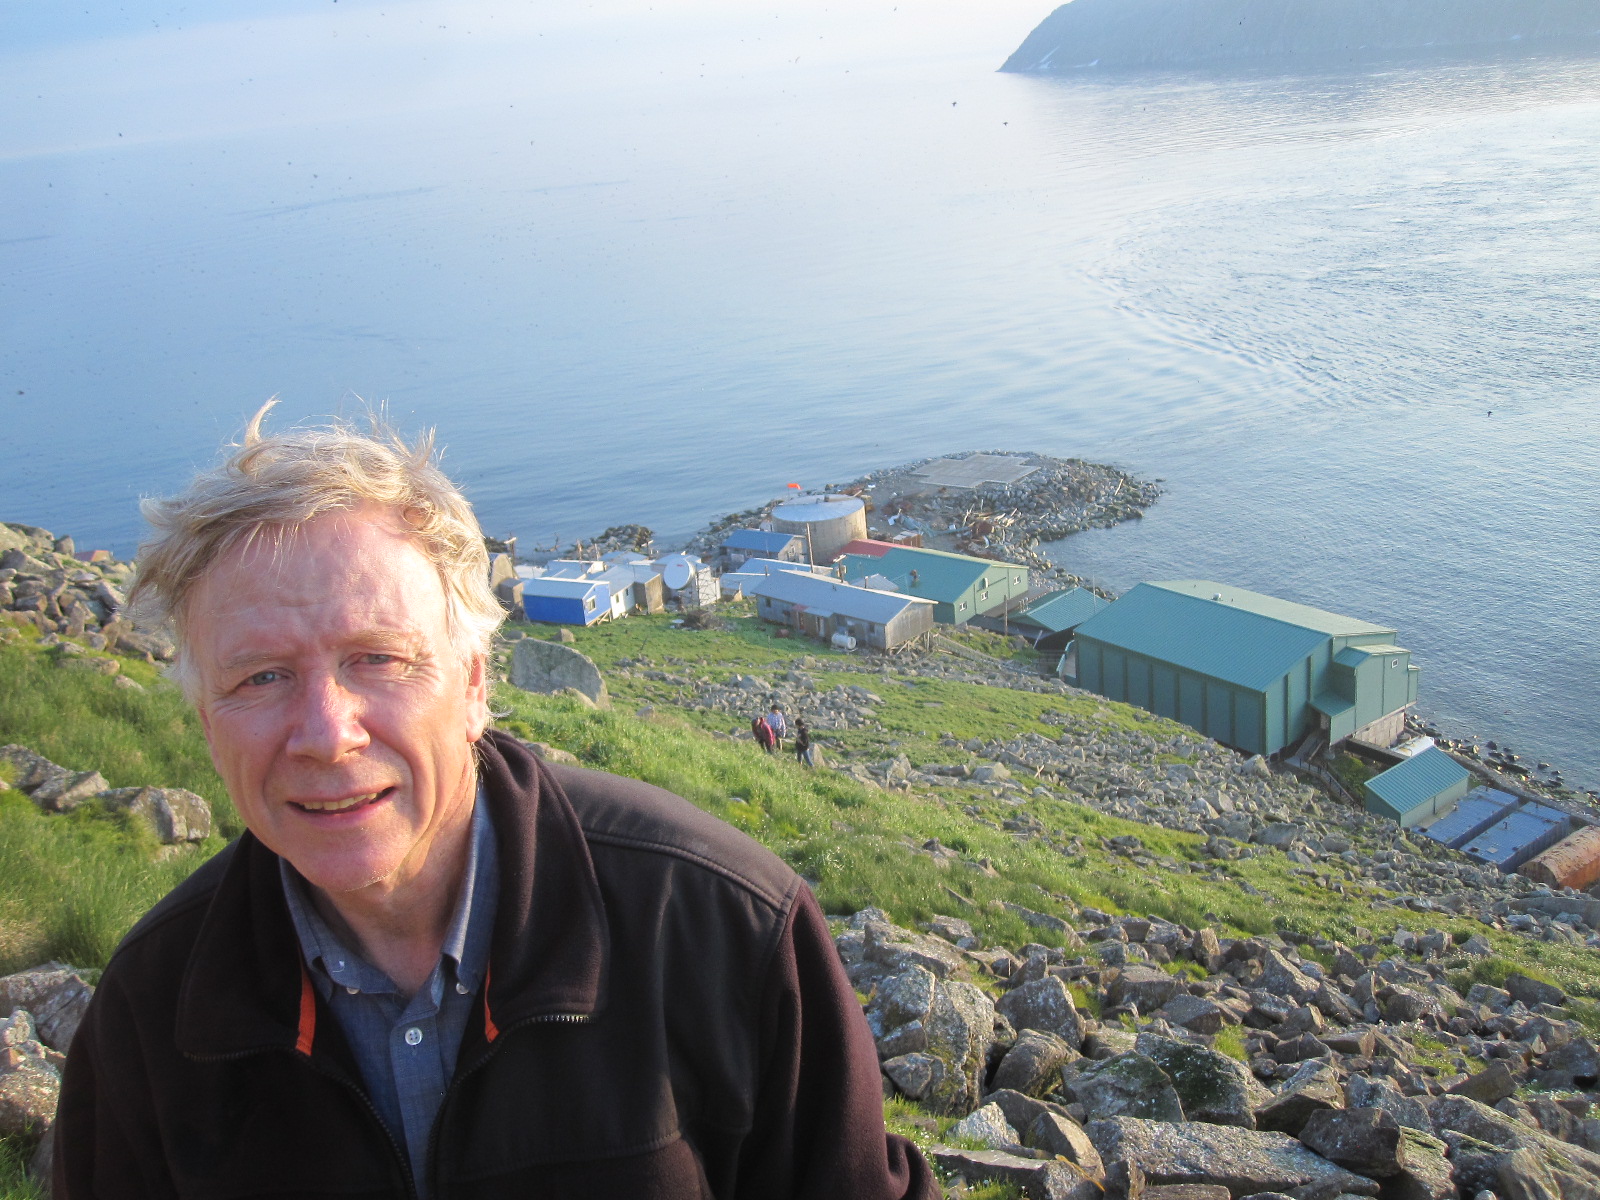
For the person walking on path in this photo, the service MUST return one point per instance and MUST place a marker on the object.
(778, 725)
(763, 732)
(802, 743)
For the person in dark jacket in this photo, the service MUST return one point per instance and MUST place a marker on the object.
(436, 966)
(802, 743)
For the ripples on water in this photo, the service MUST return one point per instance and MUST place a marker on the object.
(648, 268)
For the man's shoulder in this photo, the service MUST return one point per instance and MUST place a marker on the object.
(632, 816)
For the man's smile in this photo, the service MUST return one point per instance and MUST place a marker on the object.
(345, 804)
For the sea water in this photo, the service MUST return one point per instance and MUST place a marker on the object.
(642, 265)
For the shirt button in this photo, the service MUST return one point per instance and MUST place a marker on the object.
(461, 988)
(354, 991)
(413, 1036)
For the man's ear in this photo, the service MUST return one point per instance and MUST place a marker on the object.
(477, 697)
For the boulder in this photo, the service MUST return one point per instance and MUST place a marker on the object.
(1376, 1091)
(1525, 1175)
(1282, 978)
(1038, 1180)
(1489, 1086)
(1572, 1066)
(1146, 988)
(1244, 1161)
(1210, 1086)
(1313, 1087)
(550, 668)
(913, 1074)
(1131, 1085)
(1033, 1063)
(987, 1126)
(54, 994)
(67, 790)
(1196, 1013)
(1533, 992)
(1044, 1004)
(1576, 1170)
(1427, 1173)
(1364, 1140)
(1064, 1138)
(895, 950)
(173, 814)
(30, 1082)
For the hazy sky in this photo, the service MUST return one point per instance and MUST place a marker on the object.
(76, 77)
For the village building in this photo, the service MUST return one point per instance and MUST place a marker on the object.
(960, 585)
(1050, 621)
(561, 601)
(1417, 788)
(1252, 671)
(744, 545)
(820, 606)
(735, 583)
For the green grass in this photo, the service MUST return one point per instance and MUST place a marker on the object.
(1352, 772)
(1230, 1041)
(14, 1181)
(905, 1118)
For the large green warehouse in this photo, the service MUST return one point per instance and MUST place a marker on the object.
(1252, 671)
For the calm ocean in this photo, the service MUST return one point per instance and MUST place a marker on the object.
(651, 263)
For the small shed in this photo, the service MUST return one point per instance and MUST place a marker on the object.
(1050, 621)
(820, 606)
(1418, 788)
(566, 601)
(742, 545)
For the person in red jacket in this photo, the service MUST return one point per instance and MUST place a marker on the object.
(436, 966)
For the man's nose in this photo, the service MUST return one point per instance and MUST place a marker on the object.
(328, 723)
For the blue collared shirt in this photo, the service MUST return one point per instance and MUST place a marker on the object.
(406, 1049)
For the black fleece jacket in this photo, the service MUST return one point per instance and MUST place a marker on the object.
(665, 1017)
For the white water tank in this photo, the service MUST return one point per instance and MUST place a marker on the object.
(843, 641)
(828, 523)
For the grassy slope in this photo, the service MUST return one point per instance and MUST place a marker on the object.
(71, 885)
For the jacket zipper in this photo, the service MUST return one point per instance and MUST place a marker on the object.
(483, 1061)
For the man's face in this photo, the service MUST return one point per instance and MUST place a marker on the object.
(337, 711)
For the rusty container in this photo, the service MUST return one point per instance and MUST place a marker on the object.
(1573, 862)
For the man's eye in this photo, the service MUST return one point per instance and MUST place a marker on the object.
(377, 660)
(261, 678)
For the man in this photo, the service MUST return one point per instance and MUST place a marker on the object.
(436, 966)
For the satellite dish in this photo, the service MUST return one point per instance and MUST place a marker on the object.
(676, 574)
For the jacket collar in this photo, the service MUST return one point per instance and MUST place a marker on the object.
(243, 987)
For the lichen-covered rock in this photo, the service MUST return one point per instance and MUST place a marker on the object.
(173, 814)
(987, 1126)
(1032, 1066)
(1128, 1085)
(1314, 1086)
(1244, 1161)
(1210, 1086)
(1044, 1004)
(54, 994)
(1376, 1091)
(1364, 1140)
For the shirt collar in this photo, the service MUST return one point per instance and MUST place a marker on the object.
(466, 940)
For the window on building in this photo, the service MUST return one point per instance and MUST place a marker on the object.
(588, 604)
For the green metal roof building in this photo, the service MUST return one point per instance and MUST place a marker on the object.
(960, 585)
(1050, 620)
(1252, 671)
(1414, 790)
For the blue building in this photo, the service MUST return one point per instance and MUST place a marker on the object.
(566, 601)
(744, 544)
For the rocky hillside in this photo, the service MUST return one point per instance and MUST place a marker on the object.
(1145, 33)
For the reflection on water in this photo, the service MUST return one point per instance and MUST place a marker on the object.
(647, 269)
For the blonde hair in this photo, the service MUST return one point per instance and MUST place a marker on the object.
(271, 484)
